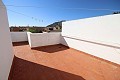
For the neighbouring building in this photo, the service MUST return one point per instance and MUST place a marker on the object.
(26, 28)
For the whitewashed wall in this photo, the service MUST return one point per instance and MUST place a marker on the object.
(19, 36)
(6, 53)
(43, 39)
(98, 36)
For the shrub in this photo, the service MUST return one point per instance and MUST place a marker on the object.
(32, 30)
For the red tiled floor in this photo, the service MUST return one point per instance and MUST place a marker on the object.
(59, 62)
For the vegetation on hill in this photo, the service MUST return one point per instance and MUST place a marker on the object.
(56, 24)
(116, 12)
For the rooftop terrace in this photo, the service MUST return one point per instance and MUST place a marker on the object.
(58, 62)
(92, 52)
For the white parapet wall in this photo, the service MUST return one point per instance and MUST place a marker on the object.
(6, 52)
(43, 39)
(98, 36)
(19, 36)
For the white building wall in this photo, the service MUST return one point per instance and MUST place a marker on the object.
(43, 39)
(98, 36)
(6, 54)
(19, 36)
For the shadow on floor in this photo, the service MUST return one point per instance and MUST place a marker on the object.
(51, 48)
(25, 70)
(20, 43)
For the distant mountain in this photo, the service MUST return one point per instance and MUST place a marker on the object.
(56, 24)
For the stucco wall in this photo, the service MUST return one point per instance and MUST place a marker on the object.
(6, 53)
(19, 36)
(98, 36)
(43, 39)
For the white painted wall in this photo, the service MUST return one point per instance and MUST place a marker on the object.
(6, 53)
(29, 39)
(43, 39)
(19, 36)
(98, 36)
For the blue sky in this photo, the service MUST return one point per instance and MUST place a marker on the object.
(50, 11)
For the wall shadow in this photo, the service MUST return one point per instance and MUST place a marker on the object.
(26, 70)
(51, 48)
(20, 43)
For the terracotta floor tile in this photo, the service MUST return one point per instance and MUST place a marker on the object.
(110, 71)
(58, 62)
